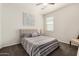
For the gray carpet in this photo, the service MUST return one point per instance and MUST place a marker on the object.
(18, 50)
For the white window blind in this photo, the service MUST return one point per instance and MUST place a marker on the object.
(49, 24)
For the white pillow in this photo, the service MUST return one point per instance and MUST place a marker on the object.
(34, 34)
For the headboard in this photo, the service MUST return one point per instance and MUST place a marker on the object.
(26, 31)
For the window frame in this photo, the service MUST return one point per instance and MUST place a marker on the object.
(52, 30)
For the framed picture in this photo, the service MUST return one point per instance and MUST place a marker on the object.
(28, 19)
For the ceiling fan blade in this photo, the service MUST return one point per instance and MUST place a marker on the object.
(38, 4)
(51, 3)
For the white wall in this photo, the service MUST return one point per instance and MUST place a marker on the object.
(12, 20)
(66, 22)
(37, 16)
(0, 24)
(11, 17)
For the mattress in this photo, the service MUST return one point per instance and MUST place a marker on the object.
(40, 45)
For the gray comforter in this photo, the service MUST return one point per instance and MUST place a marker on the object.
(38, 46)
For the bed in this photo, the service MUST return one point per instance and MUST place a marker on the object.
(38, 45)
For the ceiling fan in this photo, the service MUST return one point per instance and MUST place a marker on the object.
(44, 5)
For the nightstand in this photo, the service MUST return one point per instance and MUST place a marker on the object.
(75, 41)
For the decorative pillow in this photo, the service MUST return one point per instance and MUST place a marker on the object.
(27, 35)
(34, 34)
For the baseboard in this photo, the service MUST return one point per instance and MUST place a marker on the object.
(68, 43)
(64, 42)
(9, 44)
(0, 47)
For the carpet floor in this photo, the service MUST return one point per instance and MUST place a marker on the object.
(18, 50)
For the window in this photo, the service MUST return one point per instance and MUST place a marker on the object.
(49, 24)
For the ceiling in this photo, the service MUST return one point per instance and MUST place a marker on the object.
(44, 9)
